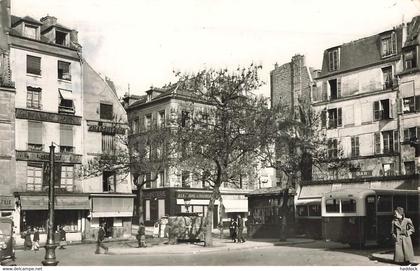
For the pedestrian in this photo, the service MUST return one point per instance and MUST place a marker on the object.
(35, 243)
(27, 236)
(220, 227)
(402, 228)
(62, 234)
(141, 236)
(99, 242)
(240, 230)
(232, 229)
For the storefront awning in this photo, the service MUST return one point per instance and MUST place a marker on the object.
(61, 202)
(112, 206)
(314, 191)
(236, 206)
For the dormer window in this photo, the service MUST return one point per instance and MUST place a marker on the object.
(61, 38)
(31, 31)
(389, 45)
(334, 59)
(410, 59)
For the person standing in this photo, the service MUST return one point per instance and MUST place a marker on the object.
(27, 236)
(62, 234)
(402, 229)
(101, 237)
(232, 229)
(141, 235)
(35, 243)
(240, 229)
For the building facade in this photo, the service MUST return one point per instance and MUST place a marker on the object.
(174, 190)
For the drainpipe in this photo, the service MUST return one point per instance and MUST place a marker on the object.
(399, 127)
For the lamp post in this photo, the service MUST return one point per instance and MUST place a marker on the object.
(50, 245)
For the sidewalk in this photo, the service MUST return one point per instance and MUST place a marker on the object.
(388, 256)
(218, 245)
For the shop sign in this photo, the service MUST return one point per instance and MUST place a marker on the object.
(61, 203)
(106, 129)
(47, 116)
(7, 203)
(70, 158)
(189, 195)
(155, 194)
(366, 173)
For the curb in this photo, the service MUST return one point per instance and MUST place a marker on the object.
(375, 257)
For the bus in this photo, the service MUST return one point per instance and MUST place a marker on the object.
(7, 250)
(362, 217)
(308, 218)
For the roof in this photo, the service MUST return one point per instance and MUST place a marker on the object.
(360, 53)
(15, 20)
(413, 30)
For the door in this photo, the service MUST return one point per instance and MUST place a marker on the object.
(371, 220)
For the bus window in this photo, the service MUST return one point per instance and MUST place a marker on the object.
(331, 206)
(348, 206)
(399, 201)
(413, 203)
(302, 210)
(314, 210)
(384, 203)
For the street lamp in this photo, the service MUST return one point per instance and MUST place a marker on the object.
(50, 245)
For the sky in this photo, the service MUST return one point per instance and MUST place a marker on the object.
(139, 43)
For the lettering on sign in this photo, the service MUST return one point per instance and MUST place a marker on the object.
(47, 116)
(155, 194)
(106, 129)
(366, 173)
(185, 195)
(45, 156)
(7, 203)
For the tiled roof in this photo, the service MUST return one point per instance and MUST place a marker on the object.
(413, 31)
(16, 19)
(359, 53)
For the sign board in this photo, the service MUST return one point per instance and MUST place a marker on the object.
(190, 195)
(47, 116)
(70, 158)
(155, 194)
(7, 203)
(61, 202)
(366, 173)
(106, 129)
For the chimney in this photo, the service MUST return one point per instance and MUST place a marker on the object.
(404, 34)
(5, 24)
(48, 20)
(74, 36)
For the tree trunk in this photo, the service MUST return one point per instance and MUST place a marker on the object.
(140, 203)
(209, 217)
(285, 214)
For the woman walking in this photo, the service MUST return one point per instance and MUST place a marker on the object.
(35, 243)
(402, 228)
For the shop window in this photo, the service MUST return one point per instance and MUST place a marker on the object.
(35, 136)
(67, 178)
(334, 59)
(389, 45)
(67, 219)
(410, 167)
(410, 59)
(64, 71)
(33, 97)
(35, 219)
(118, 222)
(332, 206)
(34, 175)
(33, 65)
(109, 181)
(105, 111)
(384, 203)
(348, 206)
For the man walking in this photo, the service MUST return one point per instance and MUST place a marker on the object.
(240, 229)
(101, 237)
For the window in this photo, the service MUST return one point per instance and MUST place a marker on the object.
(384, 203)
(34, 177)
(334, 118)
(408, 105)
(410, 167)
(148, 122)
(148, 180)
(388, 169)
(410, 134)
(61, 38)
(67, 180)
(410, 59)
(314, 210)
(332, 206)
(161, 119)
(161, 177)
(389, 45)
(109, 181)
(185, 179)
(34, 136)
(108, 143)
(33, 98)
(335, 88)
(106, 112)
(136, 126)
(387, 77)
(332, 148)
(66, 102)
(64, 70)
(334, 59)
(33, 65)
(382, 110)
(302, 210)
(348, 206)
(31, 32)
(66, 138)
(355, 146)
(185, 118)
(388, 141)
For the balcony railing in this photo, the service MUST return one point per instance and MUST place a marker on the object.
(389, 84)
(66, 110)
(35, 147)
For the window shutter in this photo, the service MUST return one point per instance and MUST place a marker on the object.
(339, 117)
(417, 103)
(417, 132)
(394, 42)
(66, 135)
(377, 142)
(34, 132)
(338, 87)
(406, 135)
(376, 115)
(324, 91)
(390, 109)
(396, 141)
(324, 118)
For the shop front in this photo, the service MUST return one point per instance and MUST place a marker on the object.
(70, 212)
(114, 211)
